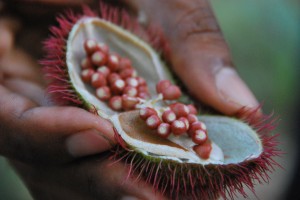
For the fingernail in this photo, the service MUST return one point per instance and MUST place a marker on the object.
(233, 90)
(86, 143)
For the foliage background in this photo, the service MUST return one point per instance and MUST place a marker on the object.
(265, 43)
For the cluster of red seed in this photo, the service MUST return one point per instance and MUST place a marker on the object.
(113, 77)
(178, 119)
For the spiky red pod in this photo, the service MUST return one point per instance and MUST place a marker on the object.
(177, 180)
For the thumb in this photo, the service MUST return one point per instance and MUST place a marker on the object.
(199, 53)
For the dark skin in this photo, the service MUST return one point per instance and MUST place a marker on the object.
(59, 160)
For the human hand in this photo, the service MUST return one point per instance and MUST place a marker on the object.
(198, 52)
(49, 145)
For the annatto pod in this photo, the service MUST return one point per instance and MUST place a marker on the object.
(235, 153)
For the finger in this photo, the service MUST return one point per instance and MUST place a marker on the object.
(199, 53)
(6, 35)
(49, 134)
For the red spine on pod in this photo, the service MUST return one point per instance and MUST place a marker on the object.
(164, 130)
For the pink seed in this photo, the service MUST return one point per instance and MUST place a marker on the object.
(185, 121)
(203, 150)
(168, 116)
(103, 47)
(104, 70)
(103, 93)
(178, 127)
(153, 121)
(118, 86)
(90, 46)
(196, 126)
(130, 91)
(98, 58)
(192, 118)
(172, 92)
(86, 75)
(86, 63)
(143, 88)
(129, 103)
(115, 103)
(113, 62)
(180, 109)
(98, 80)
(132, 82)
(126, 73)
(164, 130)
(125, 63)
(112, 77)
(192, 109)
(147, 112)
(199, 136)
(144, 95)
(161, 85)
(141, 81)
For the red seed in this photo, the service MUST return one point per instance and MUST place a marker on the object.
(178, 127)
(103, 93)
(172, 92)
(199, 136)
(141, 81)
(104, 70)
(185, 121)
(192, 109)
(130, 91)
(144, 95)
(103, 47)
(164, 130)
(196, 126)
(90, 46)
(126, 73)
(98, 80)
(118, 86)
(132, 82)
(143, 88)
(192, 118)
(98, 58)
(113, 62)
(86, 63)
(180, 109)
(115, 103)
(168, 116)
(125, 63)
(129, 103)
(86, 75)
(147, 112)
(153, 121)
(112, 77)
(161, 85)
(203, 150)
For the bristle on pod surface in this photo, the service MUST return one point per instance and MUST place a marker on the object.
(105, 62)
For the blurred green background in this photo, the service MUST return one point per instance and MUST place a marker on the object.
(264, 40)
